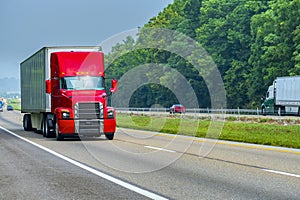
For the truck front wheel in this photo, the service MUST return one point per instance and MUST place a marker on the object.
(27, 123)
(109, 136)
(59, 137)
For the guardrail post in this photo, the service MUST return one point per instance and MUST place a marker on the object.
(279, 114)
(208, 112)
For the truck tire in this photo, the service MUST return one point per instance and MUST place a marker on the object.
(43, 127)
(58, 136)
(27, 122)
(48, 129)
(109, 136)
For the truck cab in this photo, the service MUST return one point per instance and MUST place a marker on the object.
(268, 102)
(78, 95)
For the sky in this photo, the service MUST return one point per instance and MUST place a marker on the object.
(28, 25)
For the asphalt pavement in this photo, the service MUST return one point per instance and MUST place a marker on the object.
(145, 163)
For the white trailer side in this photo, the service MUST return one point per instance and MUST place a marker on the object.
(288, 91)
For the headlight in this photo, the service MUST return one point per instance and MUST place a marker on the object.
(65, 115)
(76, 108)
(110, 114)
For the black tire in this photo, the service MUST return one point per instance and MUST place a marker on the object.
(27, 125)
(58, 136)
(44, 127)
(47, 131)
(109, 136)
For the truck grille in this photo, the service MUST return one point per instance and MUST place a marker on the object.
(89, 127)
(88, 110)
(89, 118)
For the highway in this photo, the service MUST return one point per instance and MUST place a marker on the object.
(141, 165)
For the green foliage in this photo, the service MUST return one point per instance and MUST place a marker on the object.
(274, 49)
(296, 54)
(251, 41)
(15, 103)
(152, 94)
(231, 118)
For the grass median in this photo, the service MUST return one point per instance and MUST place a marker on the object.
(284, 133)
(15, 103)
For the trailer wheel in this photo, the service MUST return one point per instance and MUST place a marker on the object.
(59, 137)
(109, 136)
(27, 122)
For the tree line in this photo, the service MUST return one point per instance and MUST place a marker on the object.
(251, 42)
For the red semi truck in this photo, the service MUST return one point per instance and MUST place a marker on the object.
(63, 93)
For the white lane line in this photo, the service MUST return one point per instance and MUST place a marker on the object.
(87, 168)
(282, 173)
(160, 149)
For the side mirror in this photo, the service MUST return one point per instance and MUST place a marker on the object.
(114, 85)
(48, 86)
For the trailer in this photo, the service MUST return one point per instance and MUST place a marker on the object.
(283, 97)
(63, 93)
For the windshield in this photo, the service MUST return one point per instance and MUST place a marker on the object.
(82, 83)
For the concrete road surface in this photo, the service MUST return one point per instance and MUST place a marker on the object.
(140, 164)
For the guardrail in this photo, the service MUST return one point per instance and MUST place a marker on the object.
(194, 111)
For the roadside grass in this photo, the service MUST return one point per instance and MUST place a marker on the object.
(15, 103)
(266, 132)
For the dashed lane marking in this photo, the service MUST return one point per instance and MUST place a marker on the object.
(160, 149)
(281, 173)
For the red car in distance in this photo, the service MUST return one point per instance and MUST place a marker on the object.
(177, 108)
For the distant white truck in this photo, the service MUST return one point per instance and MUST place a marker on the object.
(283, 97)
